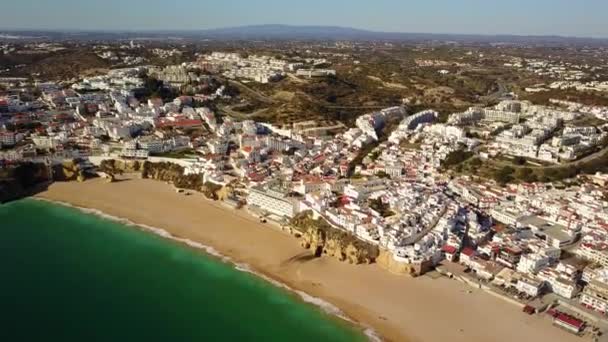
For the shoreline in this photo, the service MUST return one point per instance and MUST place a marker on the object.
(211, 252)
(396, 308)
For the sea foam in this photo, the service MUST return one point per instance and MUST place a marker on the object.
(324, 305)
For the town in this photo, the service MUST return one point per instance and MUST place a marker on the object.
(511, 198)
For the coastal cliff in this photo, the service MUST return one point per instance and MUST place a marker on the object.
(387, 261)
(163, 171)
(112, 167)
(20, 180)
(24, 179)
(67, 171)
(323, 239)
(173, 173)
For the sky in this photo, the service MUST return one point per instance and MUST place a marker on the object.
(584, 18)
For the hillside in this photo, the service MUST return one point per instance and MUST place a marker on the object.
(63, 65)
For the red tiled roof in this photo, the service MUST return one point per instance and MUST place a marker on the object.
(449, 249)
(468, 251)
(512, 250)
(577, 323)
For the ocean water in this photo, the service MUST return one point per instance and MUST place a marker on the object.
(70, 276)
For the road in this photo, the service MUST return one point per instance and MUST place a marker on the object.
(430, 227)
(498, 94)
(354, 107)
(261, 97)
(242, 116)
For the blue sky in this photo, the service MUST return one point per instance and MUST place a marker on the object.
(543, 17)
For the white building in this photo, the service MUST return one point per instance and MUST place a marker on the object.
(532, 263)
(218, 146)
(10, 138)
(593, 254)
(135, 153)
(272, 199)
(529, 286)
(595, 296)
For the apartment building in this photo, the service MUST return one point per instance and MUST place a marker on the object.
(595, 296)
(274, 199)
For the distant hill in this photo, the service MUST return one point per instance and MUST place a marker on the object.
(290, 32)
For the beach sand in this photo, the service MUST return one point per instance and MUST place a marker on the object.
(399, 308)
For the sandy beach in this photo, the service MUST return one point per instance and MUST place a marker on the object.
(399, 308)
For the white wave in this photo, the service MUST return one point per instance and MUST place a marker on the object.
(325, 306)
(372, 335)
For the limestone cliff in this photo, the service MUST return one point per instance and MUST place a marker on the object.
(163, 171)
(388, 262)
(67, 171)
(173, 173)
(323, 239)
(114, 167)
(21, 180)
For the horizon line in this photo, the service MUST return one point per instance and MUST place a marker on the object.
(193, 30)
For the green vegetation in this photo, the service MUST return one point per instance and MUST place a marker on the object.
(361, 155)
(382, 208)
(154, 88)
(588, 98)
(183, 154)
(587, 120)
(504, 175)
(391, 125)
(526, 174)
(519, 161)
(382, 174)
(456, 158)
(374, 155)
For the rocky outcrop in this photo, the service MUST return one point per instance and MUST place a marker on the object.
(68, 171)
(24, 179)
(323, 239)
(169, 172)
(116, 167)
(162, 171)
(388, 262)
(173, 173)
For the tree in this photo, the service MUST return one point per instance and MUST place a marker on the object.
(456, 157)
(382, 208)
(476, 162)
(519, 160)
(382, 174)
(526, 174)
(504, 175)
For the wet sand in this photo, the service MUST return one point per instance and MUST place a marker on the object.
(399, 308)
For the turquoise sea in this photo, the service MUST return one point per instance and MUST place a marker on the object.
(70, 276)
